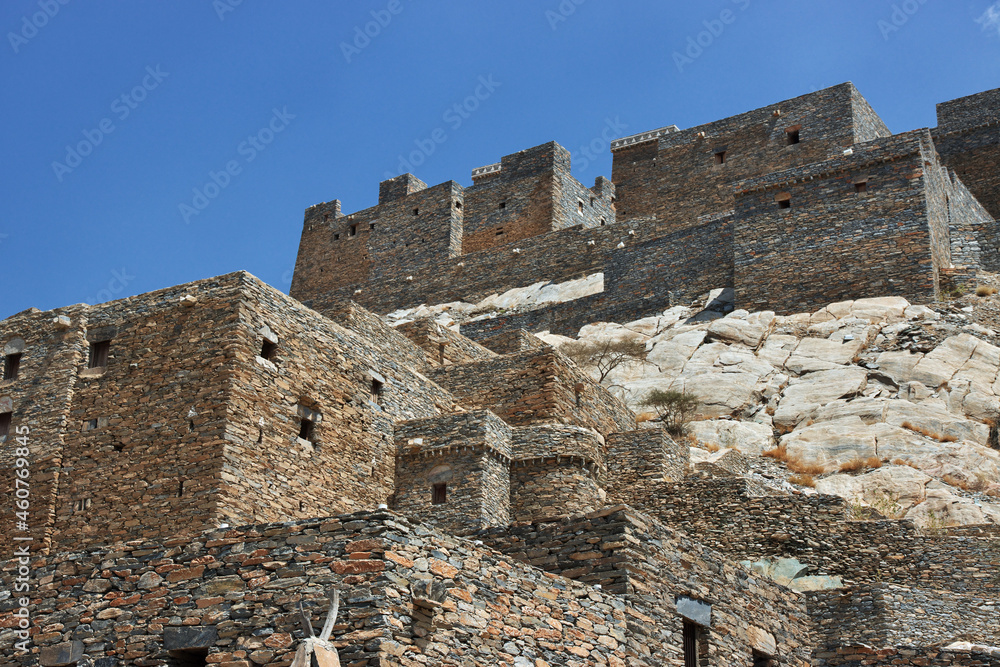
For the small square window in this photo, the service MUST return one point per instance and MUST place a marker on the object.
(791, 137)
(784, 203)
(5, 418)
(503, 205)
(458, 205)
(81, 505)
(90, 425)
(720, 157)
(371, 225)
(416, 211)
(268, 349)
(99, 354)
(439, 494)
(762, 659)
(861, 186)
(336, 237)
(11, 366)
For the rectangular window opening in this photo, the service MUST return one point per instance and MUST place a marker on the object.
(5, 418)
(371, 225)
(268, 349)
(99, 354)
(458, 205)
(499, 232)
(593, 202)
(416, 211)
(761, 659)
(861, 186)
(720, 157)
(307, 429)
(11, 366)
(784, 203)
(579, 207)
(603, 222)
(353, 230)
(377, 388)
(81, 505)
(90, 425)
(791, 137)
(336, 237)
(439, 494)
(503, 205)
(188, 658)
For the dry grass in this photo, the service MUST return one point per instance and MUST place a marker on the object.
(645, 417)
(796, 465)
(927, 433)
(710, 446)
(986, 290)
(803, 480)
(977, 484)
(778, 453)
(859, 464)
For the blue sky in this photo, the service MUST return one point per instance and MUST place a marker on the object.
(149, 144)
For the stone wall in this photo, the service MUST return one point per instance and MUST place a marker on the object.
(835, 238)
(968, 139)
(653, 568)
(818, 531)
(469, 453)
(409, 595)
(535, 387)
(638, 461)
(441, 345)
(680, 177)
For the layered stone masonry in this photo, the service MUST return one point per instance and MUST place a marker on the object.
(968, 138)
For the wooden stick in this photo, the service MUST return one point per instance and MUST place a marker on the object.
(306, 623)
(331, 617)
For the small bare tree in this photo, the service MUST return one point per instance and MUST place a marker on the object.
(676, 408)
(605, 355)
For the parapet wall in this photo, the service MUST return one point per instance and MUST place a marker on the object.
(968, 139)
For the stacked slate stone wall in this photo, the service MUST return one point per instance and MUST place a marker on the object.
(898, 616)
(679, 177)
(39, 400)
(387, 340)
(968, 139)
(535, 387)
(511, 341)
(556, 470)
(652, 567)
(441, 345)
(818, 531)
(470, 454)
(835, 240)
(638, 461)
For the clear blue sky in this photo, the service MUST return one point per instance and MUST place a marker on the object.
(200, 76)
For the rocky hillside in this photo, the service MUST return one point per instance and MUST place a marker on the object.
(891, 405)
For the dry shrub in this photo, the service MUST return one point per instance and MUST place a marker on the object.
(854, 465)
(986, 290)
(645, 417)
(927, 433)
(796, 465)
(711, 446)
(803, 480)
(977, 484)
(948, 438)
(873, 462)
(779, 453)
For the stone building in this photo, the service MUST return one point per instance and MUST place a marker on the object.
(206, 462)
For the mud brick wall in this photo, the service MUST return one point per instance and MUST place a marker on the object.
(535, 387)
(40, 400)
(677, 177)
(411, 226)
(409, 595)
(639, 460)
(651, 566)
(470, 453)
(968, 138)
(899, 616)
(441, 345)
(833, 242)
